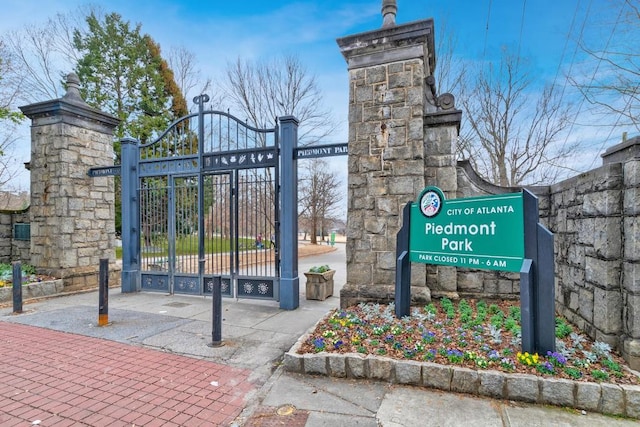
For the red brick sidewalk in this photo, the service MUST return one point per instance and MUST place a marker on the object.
(51, 378)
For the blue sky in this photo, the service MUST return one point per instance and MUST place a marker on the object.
(218, 32)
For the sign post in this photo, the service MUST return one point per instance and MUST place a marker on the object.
(499, 232)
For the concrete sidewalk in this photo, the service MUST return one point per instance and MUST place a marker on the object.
(255, 334)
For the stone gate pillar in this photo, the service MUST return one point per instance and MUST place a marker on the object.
(402, 138)
(72, 215)
(388, 97)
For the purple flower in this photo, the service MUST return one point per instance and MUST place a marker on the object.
(557, 358)
(548, 367)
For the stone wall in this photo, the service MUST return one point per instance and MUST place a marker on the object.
(12, 249)
(595, 220)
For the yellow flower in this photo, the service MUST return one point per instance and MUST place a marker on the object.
(528, 359)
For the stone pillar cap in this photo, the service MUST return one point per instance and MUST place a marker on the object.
(73, 89)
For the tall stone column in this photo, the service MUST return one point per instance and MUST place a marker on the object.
(441, 130)
(388, 97)
(72, 214)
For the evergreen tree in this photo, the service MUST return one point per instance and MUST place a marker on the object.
(122, 72)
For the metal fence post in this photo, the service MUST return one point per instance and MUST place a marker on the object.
(17, 287)
(103, 311)
(216, 327)
(130, 216)
(289, 280)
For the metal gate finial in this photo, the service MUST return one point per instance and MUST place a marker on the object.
(201, 99)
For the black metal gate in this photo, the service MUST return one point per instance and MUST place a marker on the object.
(208, 206)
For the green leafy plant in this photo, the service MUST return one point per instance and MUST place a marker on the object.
(497, 319)
(612, 366)
(510, 324)
(600, 375)
(545, 368)
(319, 269)
(431, 308)
(573, 373)
(514, 313)
(494, 309)
(562, 328)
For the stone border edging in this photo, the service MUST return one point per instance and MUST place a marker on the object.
(33, 290)
(604, 398)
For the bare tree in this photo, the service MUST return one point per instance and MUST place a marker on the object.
(449, 72)
(612, 84)
(512, 129)
(266, 90)
(319, 196)
(43, 54)
(263, 91)
(9, 167)
(9, 119)
(188, 77)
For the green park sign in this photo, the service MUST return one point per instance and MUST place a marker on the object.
(476, 232)
(499, 232)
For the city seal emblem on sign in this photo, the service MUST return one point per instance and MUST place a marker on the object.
(431, 202)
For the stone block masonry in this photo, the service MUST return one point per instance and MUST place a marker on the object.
(13, 249)
(387, 100)
(72, 216)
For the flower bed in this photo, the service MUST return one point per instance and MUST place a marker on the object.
(429, 349)
(468, 334)
(28, 275)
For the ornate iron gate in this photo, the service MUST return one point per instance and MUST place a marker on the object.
(207, 193)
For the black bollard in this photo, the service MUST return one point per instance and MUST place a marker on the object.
(216, 329)
(103, 311)
(17, 286)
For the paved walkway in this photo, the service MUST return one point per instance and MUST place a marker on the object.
(152, 367)
(53, 378)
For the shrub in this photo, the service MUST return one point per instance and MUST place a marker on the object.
(319, 269)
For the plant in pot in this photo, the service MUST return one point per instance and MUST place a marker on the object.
(319, 282)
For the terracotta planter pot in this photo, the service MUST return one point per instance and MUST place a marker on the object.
(319, 285)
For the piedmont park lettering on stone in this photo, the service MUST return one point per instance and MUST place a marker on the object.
(478, 232)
